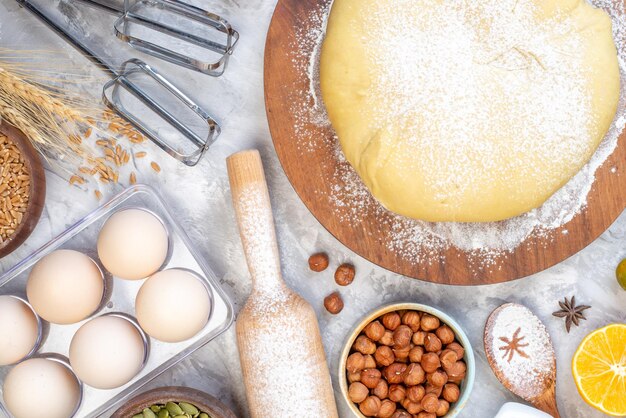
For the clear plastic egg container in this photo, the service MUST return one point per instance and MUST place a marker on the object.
(119, 298)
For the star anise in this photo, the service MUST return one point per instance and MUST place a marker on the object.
(513, 345)
(572, 313)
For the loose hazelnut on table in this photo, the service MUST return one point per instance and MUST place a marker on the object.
(384, 356)
(397, 393)
(416, 393)
(394, 373)
(333, 303)
(391, 320)
(412, 320)
(318, 262)
(448, 358)
(370, 363)
(430, 402)
(429, 322)
(364, 345)
(357, 392)
(374, 331)
(451, 392)
(445, 334)
(414, 375)
(416, 353)
(419, 337)
(370, 406)
(344, 275)
(387, 408)
(355, 363)
(370, 377)
(443, 408)
(430, 362)
(402, 336)
(457, 348)
(432, 342)
(381, 390)
(437, 378)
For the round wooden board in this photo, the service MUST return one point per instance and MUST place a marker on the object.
(312, 170)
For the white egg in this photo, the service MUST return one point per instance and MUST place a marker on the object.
(133, 244)
(41, 387)
(65, 287)
(107, 352)
(20, 328)
(185, 312)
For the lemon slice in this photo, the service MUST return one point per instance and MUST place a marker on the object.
(599, 369)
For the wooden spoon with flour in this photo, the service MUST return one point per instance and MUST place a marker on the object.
(520, 353)
(280, 347)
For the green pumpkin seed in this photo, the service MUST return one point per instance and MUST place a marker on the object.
(164, 413)
(147, 413)
(174, 409)
(188, 408)
(138, 416)
(155, 408)
(182, 416)
(203, 415)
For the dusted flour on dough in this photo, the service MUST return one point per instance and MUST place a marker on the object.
(468, 111)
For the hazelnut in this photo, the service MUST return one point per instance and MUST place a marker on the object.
(357, 392)
(447, 358)
(387, 408)
(414, 375)
(391, 320)
(433, 389)
(411, 407)
(425, 414)
(397, 393)
(387, 338)
(416, 353)
(443, 408)
(318, 262)
(394, 373)
(364, 345)
(430, 362)
(370, 377)
(402, 336)
(370, 363)
(370, 406)
(430, 402)
(354, 377)
(432, 342)
(355, 363)
(412, 319)
(402, 354)
(456, 371)
(374, 330)
(344, 275)
(445, 334)
(384, 356)
(437, 378)
(415, 393)
(457, 348)
(381, 390)
(451, 392)
(419, 337)
(429, 322)
(401, 414)
(333, 303)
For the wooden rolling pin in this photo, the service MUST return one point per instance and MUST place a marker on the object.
(282, 357)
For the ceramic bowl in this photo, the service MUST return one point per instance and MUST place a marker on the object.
(468, 382)
(37, 189)
(203, 401)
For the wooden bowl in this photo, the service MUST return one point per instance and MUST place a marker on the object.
(37, 189)
(468, 382)
(203, 401)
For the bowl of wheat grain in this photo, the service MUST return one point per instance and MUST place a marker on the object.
(22, 188)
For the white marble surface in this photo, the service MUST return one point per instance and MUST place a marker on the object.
(201, 198)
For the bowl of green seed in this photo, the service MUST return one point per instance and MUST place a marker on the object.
(174, 402)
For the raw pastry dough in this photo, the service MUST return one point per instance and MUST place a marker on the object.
(468, 111)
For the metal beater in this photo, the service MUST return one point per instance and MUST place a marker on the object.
(154, 15)
(122, 80)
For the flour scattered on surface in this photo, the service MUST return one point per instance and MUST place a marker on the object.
(423, 242)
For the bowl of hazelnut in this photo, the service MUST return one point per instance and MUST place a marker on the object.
(407, 360)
